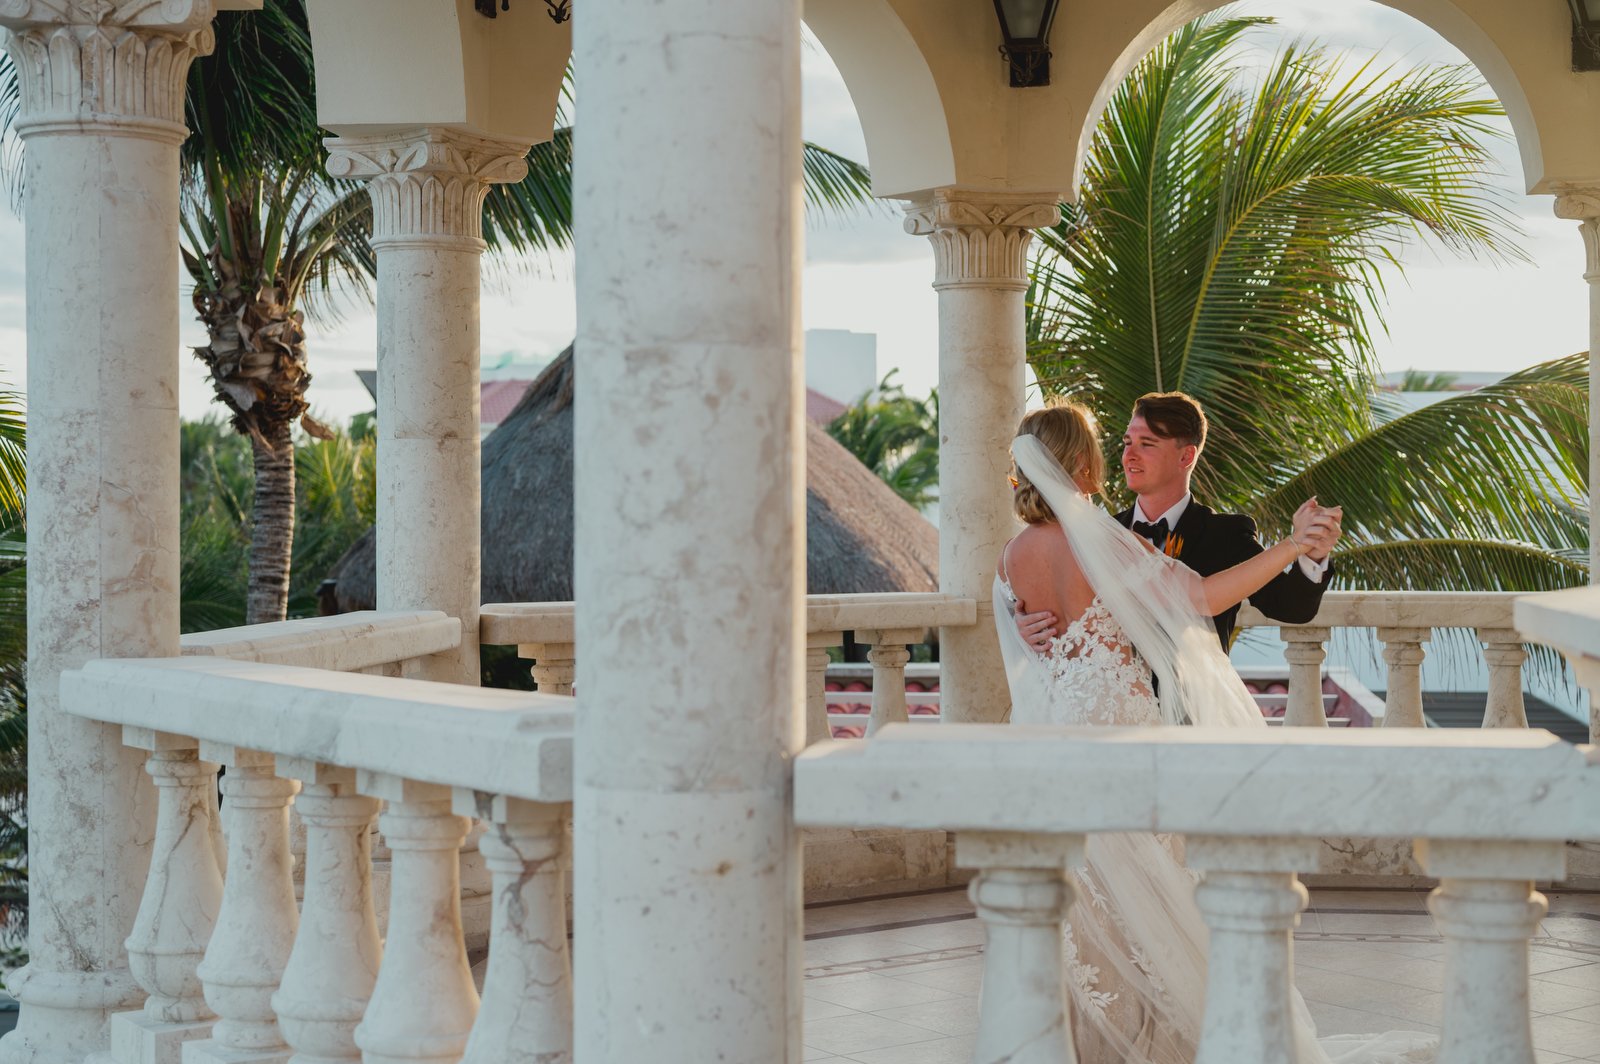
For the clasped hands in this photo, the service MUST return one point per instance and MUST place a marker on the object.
(1316, 527)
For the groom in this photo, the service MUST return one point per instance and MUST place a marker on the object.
(1159, 452)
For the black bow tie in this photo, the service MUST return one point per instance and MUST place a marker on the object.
(1156, 533)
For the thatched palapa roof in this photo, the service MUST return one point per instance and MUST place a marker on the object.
(860, 535)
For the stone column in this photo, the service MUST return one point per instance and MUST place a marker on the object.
(690, 565)
(1582, 205)
(1487, 910)
(1502, 652)
(1022, 895)
(1402, 650)
(1304, 649)
(817, 644)
(102, 88)
(428, 186)
(1251, 902)
(980, 250)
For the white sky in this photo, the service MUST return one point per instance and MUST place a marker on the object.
(867, 275)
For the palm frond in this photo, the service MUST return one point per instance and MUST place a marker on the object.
(13, 459)
(1229, 241)
(1506, 462)
(1458, 565)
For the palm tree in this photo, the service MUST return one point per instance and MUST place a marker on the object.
(268, 236)
(1228, 242)
(897, 437)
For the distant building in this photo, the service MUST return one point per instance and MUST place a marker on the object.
(502, 385)
(840, 364)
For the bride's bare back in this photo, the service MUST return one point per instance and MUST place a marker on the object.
(1043, 574)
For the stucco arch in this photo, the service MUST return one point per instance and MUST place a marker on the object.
(1522, 50)
(405, 63)
(896, 98)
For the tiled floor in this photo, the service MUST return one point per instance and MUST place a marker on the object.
(895, 981)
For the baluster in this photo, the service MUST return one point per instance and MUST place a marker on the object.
(1487, 910)
(1402, 649)
(334, 963)
(424, 1002)
(256, 928)
(1022, 895)
(182, 895)
(526, 1016)
(1305, 651)
(554, 666)
(817, 644)
(1502, 651)
(1251, 902)
(891, 649)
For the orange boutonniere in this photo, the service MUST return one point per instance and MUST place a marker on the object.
(1174, 547)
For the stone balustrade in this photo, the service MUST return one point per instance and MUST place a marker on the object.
(1490, 810)
(1404, 621)
(231, 971)
(349, 642)
(1570, 622)
(889, 624)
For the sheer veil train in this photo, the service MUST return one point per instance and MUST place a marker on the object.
(1136, 926)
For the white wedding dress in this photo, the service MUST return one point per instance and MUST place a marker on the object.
(1135, 943)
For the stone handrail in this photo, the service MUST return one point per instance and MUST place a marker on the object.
(232, 970)
(890, 624)
(1570, 622)
(1490, 811)
(1405, 620)
(348, 642)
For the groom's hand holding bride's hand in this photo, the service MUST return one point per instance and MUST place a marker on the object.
(1317, 528)
(1037, 628)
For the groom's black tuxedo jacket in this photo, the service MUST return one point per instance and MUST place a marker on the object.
(1209, 542)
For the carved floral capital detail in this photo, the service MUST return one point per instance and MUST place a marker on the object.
(111, 66)
(427, 185)
(1582, 205)
(981, 238)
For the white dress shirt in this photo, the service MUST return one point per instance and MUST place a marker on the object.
(1314, 570)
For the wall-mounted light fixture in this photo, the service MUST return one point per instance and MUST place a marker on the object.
(560, 10)
(1025, 25)
(1585, 34)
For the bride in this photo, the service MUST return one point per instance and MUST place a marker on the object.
(1137, 648)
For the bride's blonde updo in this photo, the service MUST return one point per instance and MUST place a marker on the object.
(1070, 433)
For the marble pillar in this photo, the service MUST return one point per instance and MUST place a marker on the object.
(690, 565)
(980, 247)
(1582, 205)
(102, 90)
(428, 185)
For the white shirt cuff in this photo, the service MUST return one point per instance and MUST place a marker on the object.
(1314, 571)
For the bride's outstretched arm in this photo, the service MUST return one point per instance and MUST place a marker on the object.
(1232, 586)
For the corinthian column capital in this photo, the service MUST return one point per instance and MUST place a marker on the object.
(1582, 205)
(428, 184)
(115, 67)
(980, 239)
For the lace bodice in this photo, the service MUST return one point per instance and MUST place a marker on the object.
(1095, 674)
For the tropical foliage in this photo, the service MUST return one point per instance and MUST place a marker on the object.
(897, 437)
(1230, 241)
(335, 504)
(268, 236)
(1417, 380)
(13, 686)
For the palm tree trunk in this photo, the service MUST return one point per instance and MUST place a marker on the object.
(271, 525)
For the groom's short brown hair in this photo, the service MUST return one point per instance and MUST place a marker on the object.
(1173, 416)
